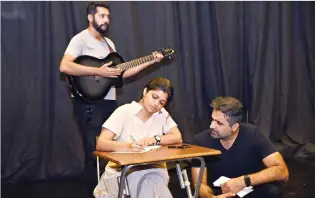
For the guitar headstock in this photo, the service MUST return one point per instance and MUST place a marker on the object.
(168, 53)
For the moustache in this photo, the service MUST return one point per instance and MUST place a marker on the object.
(105, 24)
(214, 131)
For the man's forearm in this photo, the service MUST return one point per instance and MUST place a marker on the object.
(171, 138)
(195, 175)
(75, 69)
(275, 173)
(205, 191)
(108, 145)
(133, 71)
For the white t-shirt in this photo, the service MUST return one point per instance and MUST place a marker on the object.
(124, 123)
(85, 44)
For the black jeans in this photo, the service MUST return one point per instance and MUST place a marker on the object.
(90, 118)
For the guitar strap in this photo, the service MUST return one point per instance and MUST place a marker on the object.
(119, 83)
(109, 47)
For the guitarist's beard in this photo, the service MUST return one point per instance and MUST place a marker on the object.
(102, 29)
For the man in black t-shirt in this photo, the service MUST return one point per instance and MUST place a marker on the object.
(248, 157)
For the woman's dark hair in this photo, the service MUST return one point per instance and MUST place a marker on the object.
(92, 8)
(162, 84)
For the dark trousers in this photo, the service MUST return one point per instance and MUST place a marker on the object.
(90, 118)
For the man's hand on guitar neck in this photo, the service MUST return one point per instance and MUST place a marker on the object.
(110, 72)
(107, 71)
(157, 57)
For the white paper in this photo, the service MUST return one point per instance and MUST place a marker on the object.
(245, 191)
(224, 179)
(146, 149)
(220, 181)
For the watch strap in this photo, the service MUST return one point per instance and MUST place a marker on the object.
(247, 180)
(158, 139)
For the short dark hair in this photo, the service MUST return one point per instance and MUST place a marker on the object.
(230, 107)
(162, 84)
(92, 7)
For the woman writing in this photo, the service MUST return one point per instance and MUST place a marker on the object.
(132, 127)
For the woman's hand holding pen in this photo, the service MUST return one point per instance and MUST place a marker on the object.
(135, 145)
(146, 141)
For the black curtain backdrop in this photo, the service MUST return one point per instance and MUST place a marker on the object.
(259, 52)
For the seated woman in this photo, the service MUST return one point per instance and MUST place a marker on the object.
(130, 128)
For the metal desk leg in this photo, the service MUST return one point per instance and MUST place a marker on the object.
(98, 168)
(202, 168)
(123, 178)
(183, 179)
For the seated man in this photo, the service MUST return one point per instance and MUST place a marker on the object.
(130, 128)
(248, 157)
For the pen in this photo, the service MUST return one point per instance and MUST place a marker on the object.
(133, 139)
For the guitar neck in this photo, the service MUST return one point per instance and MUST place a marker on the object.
(135, 63)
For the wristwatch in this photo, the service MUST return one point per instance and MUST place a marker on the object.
(247, 181)
(158, 139)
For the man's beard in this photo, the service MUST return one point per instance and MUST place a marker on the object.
(99, 29)
(215, 134)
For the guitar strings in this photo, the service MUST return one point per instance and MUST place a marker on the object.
(136, 62)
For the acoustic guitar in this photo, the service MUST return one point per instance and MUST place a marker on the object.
(95, 88)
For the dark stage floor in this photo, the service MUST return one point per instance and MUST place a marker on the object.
(300, 185)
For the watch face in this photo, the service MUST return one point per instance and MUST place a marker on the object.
(157, 137)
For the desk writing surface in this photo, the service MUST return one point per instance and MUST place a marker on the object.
(161, 154)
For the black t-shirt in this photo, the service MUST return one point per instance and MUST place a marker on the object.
(244, 157)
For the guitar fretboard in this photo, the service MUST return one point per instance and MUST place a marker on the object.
(134, 63)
